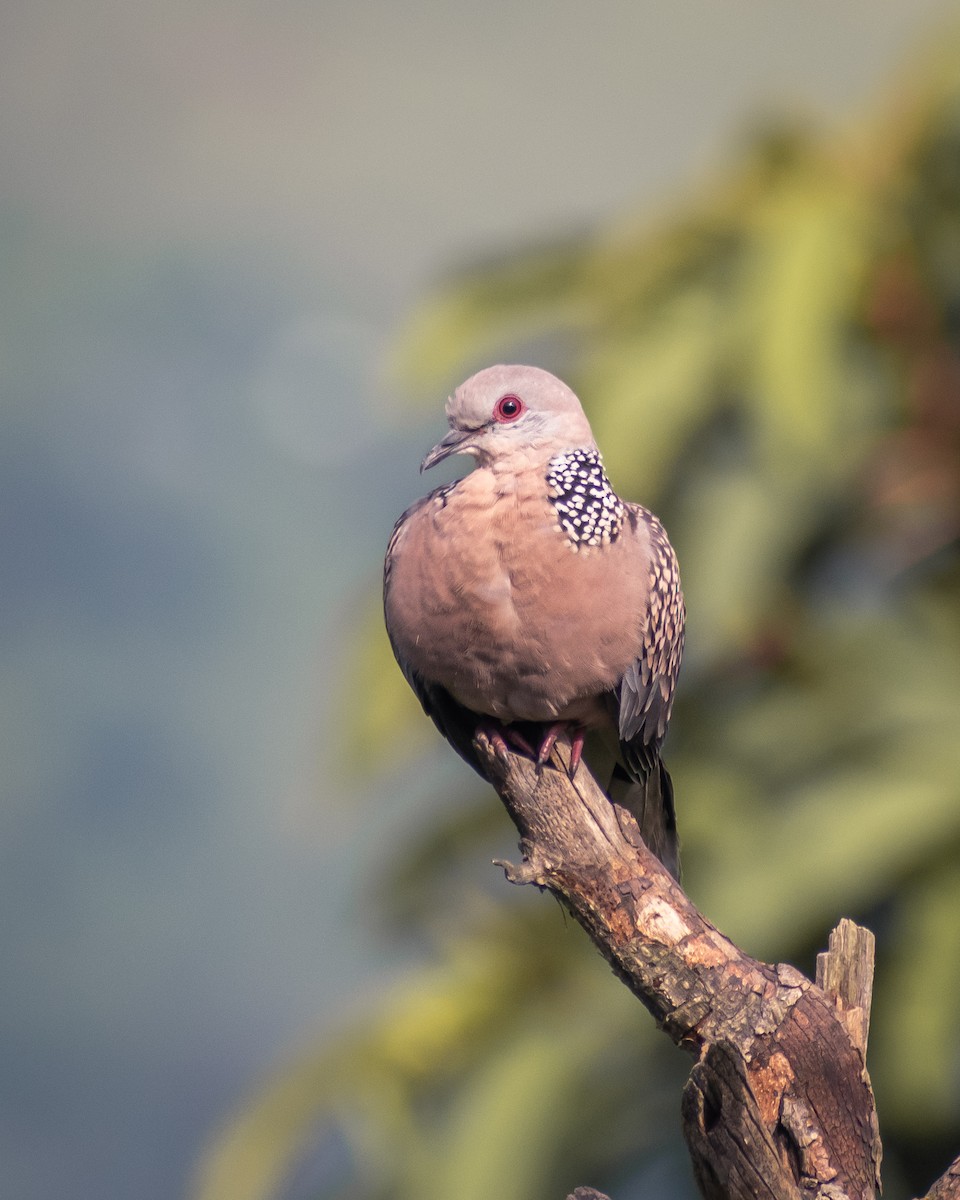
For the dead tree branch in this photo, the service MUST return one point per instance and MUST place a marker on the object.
(779, 1105)
(947, 1186)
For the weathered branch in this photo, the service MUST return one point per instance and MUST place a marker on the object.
(947, 1186)
(779, 1104)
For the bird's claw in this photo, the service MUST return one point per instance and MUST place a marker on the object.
(495, 738)
(503, 738)
(576, 750)
(547, 745)
(576, 733)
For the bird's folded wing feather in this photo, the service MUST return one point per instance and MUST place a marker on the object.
(645, 693)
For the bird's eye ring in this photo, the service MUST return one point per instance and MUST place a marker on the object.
(508, 408)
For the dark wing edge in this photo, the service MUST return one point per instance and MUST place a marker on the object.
(456, 723)
(643, 699)
(650, 801)
(645, 693)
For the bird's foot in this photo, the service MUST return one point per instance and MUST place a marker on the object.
(576, 733)
(503, 738)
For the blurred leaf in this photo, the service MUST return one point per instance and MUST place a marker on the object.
(915, 1022)
(517, 1098)
(385, 724)
(810, 245)
(656, 388)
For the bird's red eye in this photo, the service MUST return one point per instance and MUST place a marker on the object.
(508, 408)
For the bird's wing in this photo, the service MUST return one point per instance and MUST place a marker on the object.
(645, 693)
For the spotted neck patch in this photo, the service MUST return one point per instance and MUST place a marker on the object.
(589, 511)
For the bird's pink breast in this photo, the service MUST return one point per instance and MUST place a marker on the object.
(488, 599)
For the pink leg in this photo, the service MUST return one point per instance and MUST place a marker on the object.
(503, 736)
(549, 741)
(576, 749)
(576, 733)
(517, 740)
(494, 734)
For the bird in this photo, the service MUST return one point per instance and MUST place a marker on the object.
(528, 600)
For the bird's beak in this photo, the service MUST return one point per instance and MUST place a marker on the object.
(453, 443)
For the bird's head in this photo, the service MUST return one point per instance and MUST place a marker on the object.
(508, 413)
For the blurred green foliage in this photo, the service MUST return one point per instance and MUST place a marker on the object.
(775, 369)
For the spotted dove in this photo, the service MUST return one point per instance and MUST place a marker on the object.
(528, 599)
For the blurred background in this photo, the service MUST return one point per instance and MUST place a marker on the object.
(252, 945)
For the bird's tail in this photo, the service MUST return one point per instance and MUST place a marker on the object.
(650, 800)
